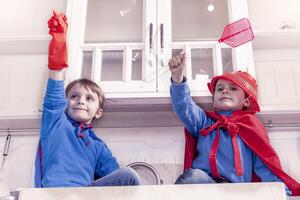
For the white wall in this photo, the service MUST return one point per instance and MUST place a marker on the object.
(23, 53)
(27, 17)
(163, 147)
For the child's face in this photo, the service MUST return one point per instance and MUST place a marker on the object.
(83, 104)
(228, 96)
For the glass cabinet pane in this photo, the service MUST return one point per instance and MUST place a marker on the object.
(202, 63)
(87, 64)
(136, 73)
(227, 59)
(198, 19)
(175, 52)
(112, 65)
(114, 21)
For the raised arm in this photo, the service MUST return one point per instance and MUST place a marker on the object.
(191, 115)
(55, 102)
(58, 51)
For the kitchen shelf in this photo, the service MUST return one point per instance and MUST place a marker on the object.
(286, 38)
(141, 112)
(150, 118)
(24, 44)
(118, 112)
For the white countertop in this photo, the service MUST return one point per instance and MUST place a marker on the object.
(232, 191)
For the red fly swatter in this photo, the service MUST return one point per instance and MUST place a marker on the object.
(237, 33)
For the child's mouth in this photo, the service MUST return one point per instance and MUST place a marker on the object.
(225, 98)
(79, 109)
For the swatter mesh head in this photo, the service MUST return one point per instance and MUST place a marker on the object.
(237, 33)
(245, 81)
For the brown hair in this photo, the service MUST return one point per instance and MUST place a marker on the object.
(88, 84)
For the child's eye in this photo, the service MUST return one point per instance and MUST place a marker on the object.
(74, 96)
(219, 89)
(233, 88)
(89, 98)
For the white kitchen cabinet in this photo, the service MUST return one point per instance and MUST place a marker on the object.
(24, 43)
(24, 25)
(276, 23)
(278, 79)
(109, 42)
(125, 45)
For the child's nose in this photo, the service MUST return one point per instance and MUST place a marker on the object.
(225, 90)
(80, 101)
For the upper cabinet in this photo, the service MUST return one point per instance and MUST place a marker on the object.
(276, 23)
(278, 79)
(125, 45)
(24, 25)
(24, 43)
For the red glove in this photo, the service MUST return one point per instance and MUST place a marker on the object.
(58, 52)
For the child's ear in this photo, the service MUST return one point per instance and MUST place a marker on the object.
(246, 103)
(213, 102)
(99, 113)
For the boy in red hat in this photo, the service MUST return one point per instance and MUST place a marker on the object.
(229, 144)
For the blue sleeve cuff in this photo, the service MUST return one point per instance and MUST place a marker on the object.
(55, 87)
(179, 89)
(183, 81)
(55, 98)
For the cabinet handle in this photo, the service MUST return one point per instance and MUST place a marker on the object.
(161, 36)
(6, 149)
(150, 33)
(162, 63)
(150, 44)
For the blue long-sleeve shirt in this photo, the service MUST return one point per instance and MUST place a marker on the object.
(67, 159)
(194, 119)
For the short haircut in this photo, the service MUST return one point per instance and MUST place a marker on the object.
(88, 84)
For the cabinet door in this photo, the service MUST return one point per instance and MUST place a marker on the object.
(24, 44)
(21, 19)
(278, 79)
(195, 30)
(195, 27)
(110, 43)
(276, 23)
(274, 15)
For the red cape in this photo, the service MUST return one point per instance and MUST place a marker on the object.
(253, 133)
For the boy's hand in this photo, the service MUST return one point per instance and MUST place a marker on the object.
(58, 52)
(176, 66)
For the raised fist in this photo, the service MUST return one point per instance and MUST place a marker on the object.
(176, 66)
(58, 51)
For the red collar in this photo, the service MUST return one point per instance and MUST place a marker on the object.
(227, 123)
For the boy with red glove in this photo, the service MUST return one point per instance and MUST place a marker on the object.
(70, 154)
